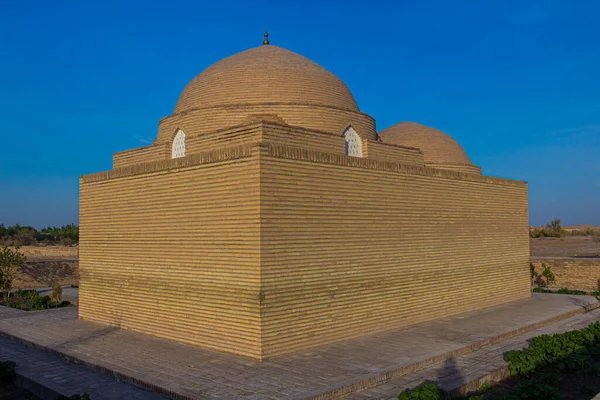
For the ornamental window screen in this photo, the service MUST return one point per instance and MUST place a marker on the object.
(178, 149)
(353, 143)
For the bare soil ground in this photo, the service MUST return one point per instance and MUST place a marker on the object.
(35, 253)
(570, 246)
(45, 264)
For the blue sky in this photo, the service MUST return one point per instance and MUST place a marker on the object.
(516, 83)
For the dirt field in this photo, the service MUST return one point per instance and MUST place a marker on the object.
(34, 253)
(570, 246)
(47, 263)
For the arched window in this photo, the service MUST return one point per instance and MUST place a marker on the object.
(353, 143)
(178, 149)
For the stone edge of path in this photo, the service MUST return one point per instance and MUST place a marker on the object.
(350, 386)
(36, 388)
(140, 383)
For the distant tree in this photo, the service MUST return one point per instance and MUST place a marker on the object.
(537, 232)
(553, 228)
(591, 231)
(19, 235)
(11, 262)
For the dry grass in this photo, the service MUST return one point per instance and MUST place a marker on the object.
(49, 253)
(45, 264)
(570, 246)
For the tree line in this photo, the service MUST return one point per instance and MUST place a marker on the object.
(19, 235)
(554, 229)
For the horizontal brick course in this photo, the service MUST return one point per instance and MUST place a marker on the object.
(263, 249)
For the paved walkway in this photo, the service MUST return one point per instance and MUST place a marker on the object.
(66, 378)
(200, 373)
(461, 370)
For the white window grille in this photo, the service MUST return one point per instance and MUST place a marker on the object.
(353, 143)
(178, 149)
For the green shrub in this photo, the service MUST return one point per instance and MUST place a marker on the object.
(7, 371)
(31, 300)
(535, 389)
(425, 391)
(548, 274)
(587, 391)
(564, 290)
(41, 303)
(485, 387)
(26, 294)
(84, 396)
(542, 290)
(548, 349)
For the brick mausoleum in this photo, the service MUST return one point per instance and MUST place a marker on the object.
(270, 216)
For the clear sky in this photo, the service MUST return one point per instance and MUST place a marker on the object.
(517, 83)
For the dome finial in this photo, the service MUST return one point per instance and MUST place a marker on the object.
(266, 39)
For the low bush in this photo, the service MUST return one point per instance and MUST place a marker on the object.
(542, 290)
(29, 300)
(548, 274)
(7, 371)
(26, 294)
(561, 348)
(563, 291)
(564, 365)
(84, 396)
(534, 389)
(425, 391)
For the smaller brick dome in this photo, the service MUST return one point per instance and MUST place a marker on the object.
(439, 149)
(266, 75)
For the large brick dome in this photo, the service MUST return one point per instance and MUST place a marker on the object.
(265, 75)
(439, 149)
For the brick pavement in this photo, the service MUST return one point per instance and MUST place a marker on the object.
(471, 367)
(54, 373)
(201, 373)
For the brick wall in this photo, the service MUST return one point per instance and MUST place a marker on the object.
(573, 273)
(263, 249)
(276, 132)
(142, 155)
(351, 246)
(171, 248)
(398, 154)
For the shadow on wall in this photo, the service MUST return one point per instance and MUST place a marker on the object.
(539, 281)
